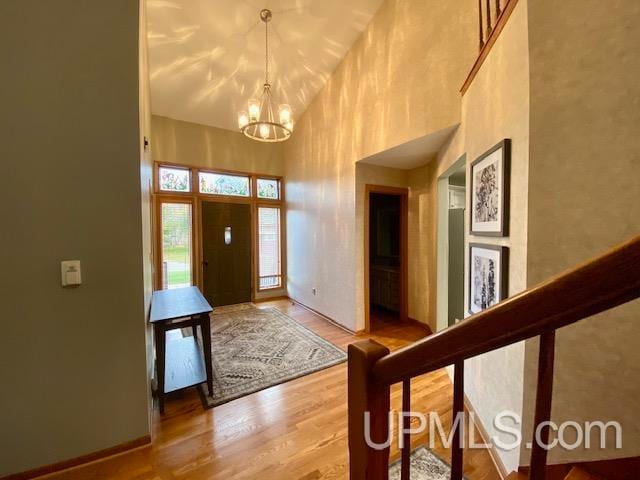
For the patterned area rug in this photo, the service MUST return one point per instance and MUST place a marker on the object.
(425, 465)
(232, 308)
(256, 348)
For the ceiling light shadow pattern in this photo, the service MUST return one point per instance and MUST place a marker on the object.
(206, 57)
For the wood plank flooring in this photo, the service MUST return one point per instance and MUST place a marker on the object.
(295, 431)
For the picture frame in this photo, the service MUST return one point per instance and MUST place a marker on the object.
(488, 276)
(490, 191)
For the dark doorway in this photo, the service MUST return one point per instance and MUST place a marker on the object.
(385, 296)
(226, 253)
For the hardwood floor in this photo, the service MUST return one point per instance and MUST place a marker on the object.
(381, 318)
(297, 430)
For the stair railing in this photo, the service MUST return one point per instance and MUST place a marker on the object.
(492, 18)
(594, 287)
(489, 12)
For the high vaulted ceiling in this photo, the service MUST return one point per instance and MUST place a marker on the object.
(206, 57)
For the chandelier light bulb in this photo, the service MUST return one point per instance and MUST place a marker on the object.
(285, 113)
(254, 110)
(264, 130)
(289, 125)
(243, 119)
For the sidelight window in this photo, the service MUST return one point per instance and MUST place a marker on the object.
(269, 248)
(176, 241)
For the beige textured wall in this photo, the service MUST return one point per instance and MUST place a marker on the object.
(399, 81)
(495, 107)
(185, 143)
(422, 244)
(72, 360)
(584, 197)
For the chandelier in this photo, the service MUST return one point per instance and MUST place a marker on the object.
(259, 122)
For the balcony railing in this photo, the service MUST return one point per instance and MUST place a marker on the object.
(492, 17)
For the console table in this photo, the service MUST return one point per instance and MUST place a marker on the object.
(178, 361)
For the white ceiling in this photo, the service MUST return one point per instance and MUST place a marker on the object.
(206, 57)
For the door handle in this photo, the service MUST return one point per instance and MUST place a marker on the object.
(205, 263)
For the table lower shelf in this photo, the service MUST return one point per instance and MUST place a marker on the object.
(184, 366)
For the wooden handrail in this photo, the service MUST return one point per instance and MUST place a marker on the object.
(596, 286)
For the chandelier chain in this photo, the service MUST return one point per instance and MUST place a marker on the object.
(266, 53)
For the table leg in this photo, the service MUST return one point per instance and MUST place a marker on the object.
(205, 328)
(194, 329)
(160, 336)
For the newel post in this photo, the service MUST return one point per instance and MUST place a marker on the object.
(367, 463)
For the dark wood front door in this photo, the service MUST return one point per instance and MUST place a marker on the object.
(226, 249)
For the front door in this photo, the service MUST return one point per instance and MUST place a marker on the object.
(226, 249)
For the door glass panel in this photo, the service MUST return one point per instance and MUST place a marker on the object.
(176, 245)
(218, 184)
(269, 248)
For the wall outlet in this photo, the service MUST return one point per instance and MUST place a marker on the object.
(314, 291)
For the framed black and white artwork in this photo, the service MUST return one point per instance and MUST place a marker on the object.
(490, 186)
(488, 275)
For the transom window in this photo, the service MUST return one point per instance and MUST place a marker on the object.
(178, 179)
(174, 179)
(268, 188)
(221, 184)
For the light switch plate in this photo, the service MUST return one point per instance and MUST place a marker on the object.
(70, 272)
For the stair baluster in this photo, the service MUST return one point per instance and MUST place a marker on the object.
(489, 22)
(458, 411)
(405, 466)
(481, 26)
(543, 405)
